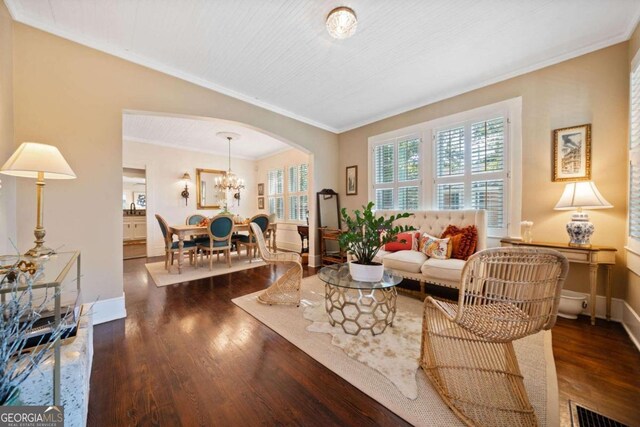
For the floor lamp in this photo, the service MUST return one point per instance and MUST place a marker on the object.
(40, 161)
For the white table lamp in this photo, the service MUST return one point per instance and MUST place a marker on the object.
(40, 161)
(581, 195)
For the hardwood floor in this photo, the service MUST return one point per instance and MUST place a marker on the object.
(186, 355)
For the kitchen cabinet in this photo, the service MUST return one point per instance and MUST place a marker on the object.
(134, 228)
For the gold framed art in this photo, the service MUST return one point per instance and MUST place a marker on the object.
(572, 153)
(352, 180)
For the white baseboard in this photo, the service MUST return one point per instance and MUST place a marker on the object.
(315, 261)
(107, 310)
(631, 324)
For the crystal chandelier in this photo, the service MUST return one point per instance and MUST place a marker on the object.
(229, 181)
(342, 22)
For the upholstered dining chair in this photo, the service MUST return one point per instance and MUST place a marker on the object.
(196, 219)
(250, 241)
(285, 290)
(467, 351)
(171, 247)
(220, 230)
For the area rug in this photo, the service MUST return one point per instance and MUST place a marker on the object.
(162, 277)
(403, 389)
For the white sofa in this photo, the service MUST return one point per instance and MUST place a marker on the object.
(416, 265)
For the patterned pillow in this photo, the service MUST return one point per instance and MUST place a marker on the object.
(434, 247)
(464, 240)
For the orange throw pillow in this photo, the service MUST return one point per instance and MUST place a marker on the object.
(464, 240)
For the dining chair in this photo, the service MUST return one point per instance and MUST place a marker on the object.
(219, 240)
(467, 347)
(250, 241)
(171, 247)
(196, 219)
(285, 290)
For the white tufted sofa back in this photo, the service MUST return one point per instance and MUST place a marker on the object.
(435, 222)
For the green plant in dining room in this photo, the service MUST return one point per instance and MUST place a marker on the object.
(366, 233)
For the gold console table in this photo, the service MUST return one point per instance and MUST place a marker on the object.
(594, 256)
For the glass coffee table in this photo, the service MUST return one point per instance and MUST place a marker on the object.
(359, 306)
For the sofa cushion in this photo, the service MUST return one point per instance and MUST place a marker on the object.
(443, 269)
(380, 255)
(409, 261)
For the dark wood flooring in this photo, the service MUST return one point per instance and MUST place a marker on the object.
(186, 355)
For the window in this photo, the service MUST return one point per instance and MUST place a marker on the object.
(298, 186)
(473, 160)
(470, 169)
(634, 159)
(396, 173)
(275, 183)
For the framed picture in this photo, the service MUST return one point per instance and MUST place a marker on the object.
(572, 153)
(352, 180)
(260, 202)
(261, 189)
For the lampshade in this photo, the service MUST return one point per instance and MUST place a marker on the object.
(186, 177)
(342, 23)
(32, 157)
(583, 194)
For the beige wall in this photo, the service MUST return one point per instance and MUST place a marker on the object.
(73, 97)
(7, 190)
(287, 234)
(592, 88)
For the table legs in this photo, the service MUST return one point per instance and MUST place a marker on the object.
(180, 252)
(608, 291)
(593, 285)
(356, 310)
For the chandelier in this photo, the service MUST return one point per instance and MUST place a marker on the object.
(342, 23)
(229, 181)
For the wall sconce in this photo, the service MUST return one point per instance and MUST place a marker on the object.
(185, 193)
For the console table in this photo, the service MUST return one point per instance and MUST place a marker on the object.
(594, 256)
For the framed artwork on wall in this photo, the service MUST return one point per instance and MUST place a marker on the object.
(260, 202)
(261, 189)
(352, 180)
(572, 153)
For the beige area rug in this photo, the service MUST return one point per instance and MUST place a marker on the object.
(162, 277)
(390, 374)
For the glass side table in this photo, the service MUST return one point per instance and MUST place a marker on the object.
(359, 306)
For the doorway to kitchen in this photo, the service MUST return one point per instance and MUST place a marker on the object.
(134, 213)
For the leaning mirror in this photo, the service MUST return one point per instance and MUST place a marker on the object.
(328, 209)
(207, 195)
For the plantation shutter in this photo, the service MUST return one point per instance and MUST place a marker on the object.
(275, 185)
(383, 159)
(634, 157)
(450, 152)
(487, 146)
(450, 196)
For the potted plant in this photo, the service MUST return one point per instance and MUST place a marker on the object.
(365, 234)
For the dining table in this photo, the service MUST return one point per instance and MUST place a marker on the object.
(183, 231)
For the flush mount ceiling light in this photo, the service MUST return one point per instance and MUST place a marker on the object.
(342, 22)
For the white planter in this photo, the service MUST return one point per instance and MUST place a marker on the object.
(366, 273)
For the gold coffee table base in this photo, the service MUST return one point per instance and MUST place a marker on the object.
(360, 309)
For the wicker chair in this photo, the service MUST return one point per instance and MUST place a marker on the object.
(285, 290)
(250, 241)
(467, 351)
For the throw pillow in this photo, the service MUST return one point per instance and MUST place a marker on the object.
(464, 240)
(434, 247)
(402, 242)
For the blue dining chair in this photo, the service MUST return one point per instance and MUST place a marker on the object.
(219, 239)
(196, 219)
(250, 241)
(171, 247)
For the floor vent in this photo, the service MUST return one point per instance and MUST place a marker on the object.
(583, 417)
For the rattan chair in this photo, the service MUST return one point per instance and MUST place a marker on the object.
(285, 290)
(467, 351)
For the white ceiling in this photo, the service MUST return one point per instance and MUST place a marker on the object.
(277, 53)
(199, 135)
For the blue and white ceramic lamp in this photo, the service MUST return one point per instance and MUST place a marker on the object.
(578, 196)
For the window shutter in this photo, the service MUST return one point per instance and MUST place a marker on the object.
(489, 195)
(450, 196)
(293, 179)
(408, 160)
(634, 156)
(450, 152)
(384, 198)
(408, 197)
(487, 146)
(634, 200)
(304, 207)
(293, 207)
(304, 177)
(634, 142)
(383, 155)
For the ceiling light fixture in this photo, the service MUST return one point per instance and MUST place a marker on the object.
(342, 22)
(229, 181)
